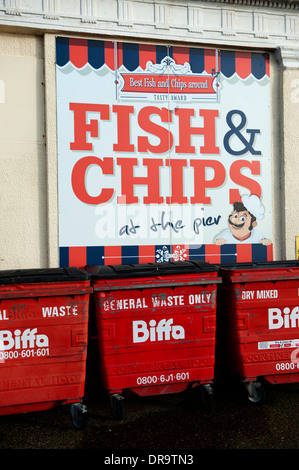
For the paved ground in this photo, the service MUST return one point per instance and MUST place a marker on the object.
(175, 422)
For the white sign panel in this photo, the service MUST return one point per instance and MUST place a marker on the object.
(163, 153)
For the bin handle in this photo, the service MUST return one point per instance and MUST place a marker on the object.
(79, 337)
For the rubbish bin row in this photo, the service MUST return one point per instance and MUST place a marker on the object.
(155, 326)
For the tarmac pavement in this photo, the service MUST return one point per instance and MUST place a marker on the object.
(178, 423)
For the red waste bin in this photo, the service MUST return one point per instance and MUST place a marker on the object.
(43, 340)
(155, 327)
(258, 323)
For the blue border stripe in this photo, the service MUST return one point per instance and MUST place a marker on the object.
(62, 51)
(228, 253)
(96, 53)
(130, 254)
(95, 255)
(64, 256)
(131, 56)
(258, 64)
(197, 252)
(259, 252)
(197, 59)
(228, 63)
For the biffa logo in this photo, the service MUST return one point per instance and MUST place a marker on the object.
(156, 332)
(18, 340)
(287, 318)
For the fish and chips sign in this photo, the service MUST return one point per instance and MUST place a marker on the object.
(163, 153)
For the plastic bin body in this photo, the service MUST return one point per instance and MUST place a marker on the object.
(43, 338)
(155, 326)
(259, 320)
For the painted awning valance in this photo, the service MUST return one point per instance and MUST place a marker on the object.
(96, 53)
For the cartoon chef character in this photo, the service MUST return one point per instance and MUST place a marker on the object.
(243, 221)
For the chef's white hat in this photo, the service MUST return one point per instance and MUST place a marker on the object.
(254, 205)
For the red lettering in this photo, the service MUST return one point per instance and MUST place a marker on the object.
(163, 141)
(200, 182)
(152, 180)
(123, 128)
(244, 181)
(81, 127)
(185, 131)
(177, 181)
(128, 181)
(165, 136)
(78, 179)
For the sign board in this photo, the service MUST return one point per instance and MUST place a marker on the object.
(163, 153)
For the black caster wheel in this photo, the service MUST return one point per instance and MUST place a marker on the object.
(78, 415)
(117, 404)
(258, 397)
(207, 396)
(256, 393)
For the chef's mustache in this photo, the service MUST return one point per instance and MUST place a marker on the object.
(235, 225)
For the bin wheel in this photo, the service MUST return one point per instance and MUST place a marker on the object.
(117, 404)
(258, 397)
(78, 415)
(207, 396)
(256, 393)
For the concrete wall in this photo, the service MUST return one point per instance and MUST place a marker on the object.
(290, 156)
(23, 218)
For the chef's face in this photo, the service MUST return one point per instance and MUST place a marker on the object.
(240, 224)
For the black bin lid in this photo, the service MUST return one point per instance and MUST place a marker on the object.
(150, 269)
(34, 276)
(261, 265)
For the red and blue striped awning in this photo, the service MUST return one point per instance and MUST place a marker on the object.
(79, 52)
